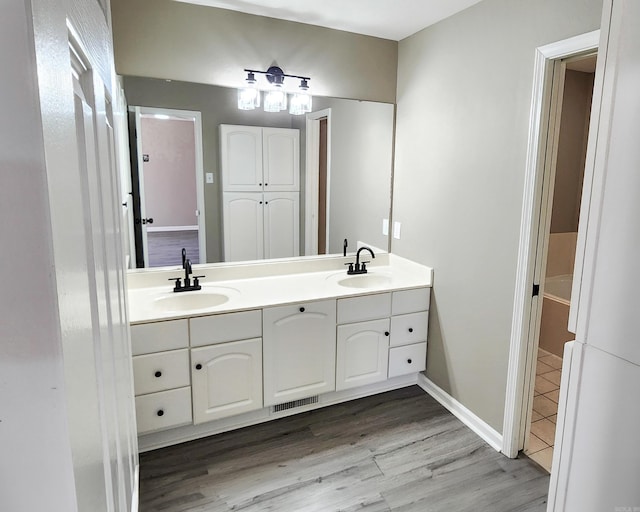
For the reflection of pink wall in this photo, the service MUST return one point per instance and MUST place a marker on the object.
(169, 175)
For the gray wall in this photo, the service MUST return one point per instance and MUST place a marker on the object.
(192, 43)
(218, 105)
(464, 94)
(361, 142)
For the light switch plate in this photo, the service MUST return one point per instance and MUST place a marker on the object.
(209, 177)
(396, 230)
(385, 227)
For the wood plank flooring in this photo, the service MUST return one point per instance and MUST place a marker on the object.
(165, 247)
(397, 451)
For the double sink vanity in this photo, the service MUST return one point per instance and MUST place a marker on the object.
(264, 340)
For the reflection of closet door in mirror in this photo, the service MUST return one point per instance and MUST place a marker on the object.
(241, 158)
(281, 159)
(281, 224)
(243, 226)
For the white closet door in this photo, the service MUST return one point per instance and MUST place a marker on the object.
(281, 224)
(241, 158)
(281, 159)
(243, 226)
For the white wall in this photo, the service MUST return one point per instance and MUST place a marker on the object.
(67, 432)
(193, 43)
(464, 93)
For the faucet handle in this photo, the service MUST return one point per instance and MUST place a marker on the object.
(196, 280)
(178, 284)
(350, 270)
(363, 266)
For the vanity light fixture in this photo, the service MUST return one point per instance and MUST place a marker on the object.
(249, 95)
(275, 98)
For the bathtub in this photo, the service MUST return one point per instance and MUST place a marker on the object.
(555, 314)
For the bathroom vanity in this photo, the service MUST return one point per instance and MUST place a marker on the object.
(269, 339)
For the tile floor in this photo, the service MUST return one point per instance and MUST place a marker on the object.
(545, 409)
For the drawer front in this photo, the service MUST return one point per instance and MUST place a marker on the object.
(162, 371)
(407, 359)
(410, 301)
(159, 336)
(407, 329)
(209, 330)
(166, 409)
(367, 307)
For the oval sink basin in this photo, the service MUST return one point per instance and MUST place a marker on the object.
(189, 301)
(365, 281)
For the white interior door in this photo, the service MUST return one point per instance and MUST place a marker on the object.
(171, 185)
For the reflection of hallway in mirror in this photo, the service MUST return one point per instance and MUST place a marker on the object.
(165, 247)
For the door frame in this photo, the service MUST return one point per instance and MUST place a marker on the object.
(526, 313)
(312, 172)
(196, 117)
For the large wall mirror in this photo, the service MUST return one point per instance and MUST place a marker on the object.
(175, 130)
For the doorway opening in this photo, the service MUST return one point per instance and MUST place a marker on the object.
(168, 191)
(317, 181)
(548, 240)
(572, 93)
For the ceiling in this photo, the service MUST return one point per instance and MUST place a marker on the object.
(388, 19)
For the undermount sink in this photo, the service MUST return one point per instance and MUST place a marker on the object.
(365, 281)
(190, 301)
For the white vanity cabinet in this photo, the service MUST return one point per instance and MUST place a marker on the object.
(226, 364)
(299, 351)
(161, 375)
(409, 326)
(362, 348)
(362, 353)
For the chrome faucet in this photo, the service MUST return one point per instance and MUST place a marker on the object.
(187, 286)
(360, 268)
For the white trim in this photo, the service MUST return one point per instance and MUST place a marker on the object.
(485, 431)
(566, 422)
(522, 310)
(311, 180)
(135, 496)
(157, 229)
(196, 117)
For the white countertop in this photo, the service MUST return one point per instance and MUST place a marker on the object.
(262, 284)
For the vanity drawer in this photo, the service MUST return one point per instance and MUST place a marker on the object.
(209, 330)
(159, 336)
(410, 301)
(161, 371)
(166, 409)
(411, 328)
(407, 359)
(367, 307)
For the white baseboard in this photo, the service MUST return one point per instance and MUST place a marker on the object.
(135, 495)
(163, 229)
(479, 426)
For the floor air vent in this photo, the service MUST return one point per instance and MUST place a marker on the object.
(295, 403)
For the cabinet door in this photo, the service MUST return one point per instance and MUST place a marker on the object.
(299, 351)
(281, 224)
(241, 158)
(226, 379)
(281, 159)
(362, 353)
(243, 230)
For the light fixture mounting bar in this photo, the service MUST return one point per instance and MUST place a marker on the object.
(276, 71)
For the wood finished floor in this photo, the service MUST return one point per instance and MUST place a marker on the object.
(399, 451)
(165, 247)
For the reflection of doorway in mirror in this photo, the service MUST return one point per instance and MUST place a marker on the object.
(317, 182)
(169, 180)
(322, 187)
